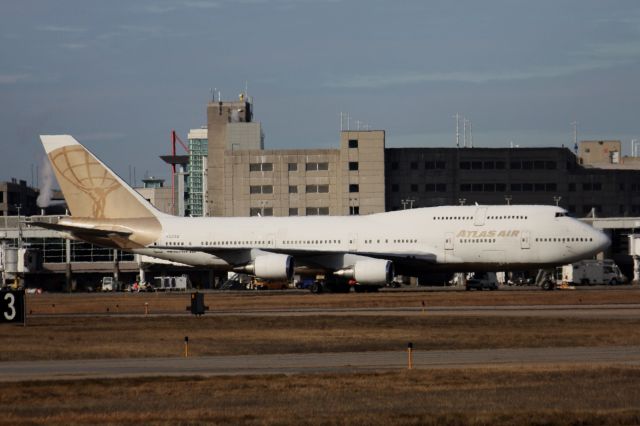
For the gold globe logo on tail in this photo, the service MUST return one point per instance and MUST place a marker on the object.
(79, 169)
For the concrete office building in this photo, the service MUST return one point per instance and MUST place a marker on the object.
(154, 191)
(438, 176)
(243, 179)
(16, 196)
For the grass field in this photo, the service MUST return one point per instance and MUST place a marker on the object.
(163, 303)
(501, 395)
(117, 337)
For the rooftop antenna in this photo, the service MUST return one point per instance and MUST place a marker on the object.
(464, 131)
(470, 135)
(575, 136)
(213, 95)
(457, 116)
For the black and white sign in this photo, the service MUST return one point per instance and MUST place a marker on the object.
(12, 306)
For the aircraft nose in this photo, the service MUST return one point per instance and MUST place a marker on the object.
(601, 240)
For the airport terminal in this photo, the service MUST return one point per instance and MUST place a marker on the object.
(225, 170)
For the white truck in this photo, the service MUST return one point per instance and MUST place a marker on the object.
(592, 272)
(110, 284)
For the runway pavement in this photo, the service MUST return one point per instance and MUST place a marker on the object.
(561, 311)
(315, 363)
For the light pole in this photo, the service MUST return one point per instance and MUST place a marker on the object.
(462, 201)
(508, 199)
(19, 206)
(557, 199)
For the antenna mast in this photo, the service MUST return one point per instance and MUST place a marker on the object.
(457, 130)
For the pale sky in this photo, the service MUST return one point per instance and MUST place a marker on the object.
(119, 75)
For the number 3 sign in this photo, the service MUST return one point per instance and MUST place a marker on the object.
(12, 306)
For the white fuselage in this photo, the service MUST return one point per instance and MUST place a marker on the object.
(451, 237)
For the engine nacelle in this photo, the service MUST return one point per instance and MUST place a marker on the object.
(271, 267)
(371, 271)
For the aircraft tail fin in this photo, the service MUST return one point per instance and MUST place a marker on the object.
(90, 188)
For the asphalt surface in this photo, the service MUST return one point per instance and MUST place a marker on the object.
(315, 363)
(626, 310)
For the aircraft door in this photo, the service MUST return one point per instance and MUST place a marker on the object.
(481, 214)
(448, 241)
(353, 242)
(525, 240)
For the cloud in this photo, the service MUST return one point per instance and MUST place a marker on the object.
(171, 6)
(13, 78)
(60, 29)
(591, 58)
(100, 136)
(73, 46)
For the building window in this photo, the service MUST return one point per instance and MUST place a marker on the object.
(353, 165)
(430, 187)
(353, 143)
(293, 167)
(441, 187)
(261, 189)
(293, 189)
(414, 187)
(476, 187)
(550, 165)
(527, 187)
(414, 165)
(465, 187)
(261, 211)
(441, 165)
(551, 187)
(354, 210)
(597, 186)
(489, 165)
(1, 197)
(312, 189)
(465, 165)
(317, 211)
(354, 187)
(476, 165)
(516, 187)
(500, 165)
(586, 186)
(516, 165)
(572, 187)
(317, 166)
(261, 167)
(293, 211)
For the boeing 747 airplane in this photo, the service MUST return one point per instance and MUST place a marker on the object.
(369, 249)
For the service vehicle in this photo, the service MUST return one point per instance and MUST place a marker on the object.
(482, 281)
(592, 272)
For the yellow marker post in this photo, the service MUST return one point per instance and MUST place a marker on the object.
(186, 346)
(410, 355)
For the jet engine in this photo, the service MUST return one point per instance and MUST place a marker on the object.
(372, 271)
(271, 267)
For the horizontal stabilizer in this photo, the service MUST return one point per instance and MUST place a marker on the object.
(96, 232)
